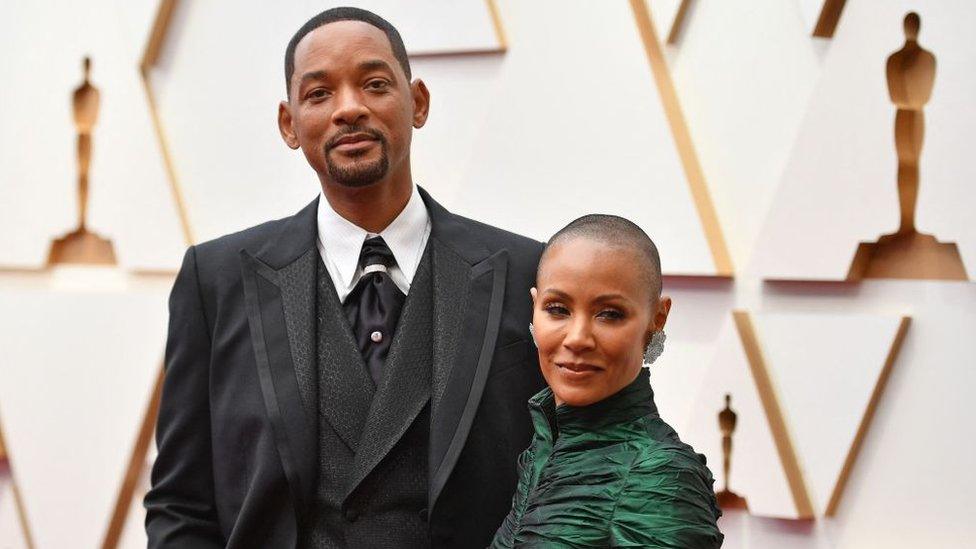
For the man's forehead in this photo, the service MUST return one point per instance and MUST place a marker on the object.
(342, 38)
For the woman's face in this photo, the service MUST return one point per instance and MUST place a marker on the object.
(594, 315)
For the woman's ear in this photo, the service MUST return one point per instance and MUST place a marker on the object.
(661, 315)
(534, 293)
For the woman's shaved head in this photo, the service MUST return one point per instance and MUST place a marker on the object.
(614, 231)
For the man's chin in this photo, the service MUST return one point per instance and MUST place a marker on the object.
(357, 174)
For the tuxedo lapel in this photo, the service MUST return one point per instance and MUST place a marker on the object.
(469, 290)
(404, 387)
(345, 382)
(279, 294)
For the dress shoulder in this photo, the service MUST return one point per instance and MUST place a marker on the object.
(667, 500)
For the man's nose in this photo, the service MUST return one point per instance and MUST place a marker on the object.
(350, 108)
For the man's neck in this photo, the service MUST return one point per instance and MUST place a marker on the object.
(372, 207)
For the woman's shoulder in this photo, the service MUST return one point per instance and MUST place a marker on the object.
(667, 498)
(662, 448)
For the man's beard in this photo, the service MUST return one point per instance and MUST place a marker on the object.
(359, 173)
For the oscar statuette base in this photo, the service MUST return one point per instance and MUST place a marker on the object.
(81, 247)
(911, 255)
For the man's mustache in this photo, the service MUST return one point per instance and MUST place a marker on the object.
(349, 130)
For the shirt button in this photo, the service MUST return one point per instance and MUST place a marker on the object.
(351, 515)
(376, 336)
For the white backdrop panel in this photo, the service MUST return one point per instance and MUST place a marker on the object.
(77, 373)
(576, 126)
(744, 72)
(825, 368)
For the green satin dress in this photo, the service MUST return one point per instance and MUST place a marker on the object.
(611, 474)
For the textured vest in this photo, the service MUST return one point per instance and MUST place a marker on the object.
(373, 442)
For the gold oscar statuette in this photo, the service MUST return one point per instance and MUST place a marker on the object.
(908, 253)
(727, 499)
(81, 245)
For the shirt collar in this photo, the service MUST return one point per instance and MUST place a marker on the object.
(343, 240)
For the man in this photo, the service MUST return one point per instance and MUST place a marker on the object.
(355, 375)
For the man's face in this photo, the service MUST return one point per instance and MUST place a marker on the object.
(351, 108)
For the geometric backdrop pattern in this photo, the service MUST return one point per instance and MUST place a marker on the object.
(82, 346)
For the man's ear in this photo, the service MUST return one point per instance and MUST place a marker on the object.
(421, 102)
(284, 125)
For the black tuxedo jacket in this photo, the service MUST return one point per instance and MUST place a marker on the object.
(237, 463)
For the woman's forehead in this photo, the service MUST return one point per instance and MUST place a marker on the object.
(584, 265)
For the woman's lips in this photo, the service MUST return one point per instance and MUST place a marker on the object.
(577, 370)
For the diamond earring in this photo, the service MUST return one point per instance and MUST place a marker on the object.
(655, 347)
(532, 333)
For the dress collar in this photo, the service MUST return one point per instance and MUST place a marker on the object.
(343, 240)
(633, 401)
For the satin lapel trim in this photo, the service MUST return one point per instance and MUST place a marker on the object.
(292, 427)
(405, 386)
(466, 380)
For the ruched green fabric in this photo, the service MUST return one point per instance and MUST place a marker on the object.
(612, 474)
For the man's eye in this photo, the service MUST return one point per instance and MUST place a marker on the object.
(317, 93)
(377, 84)
(557, 310)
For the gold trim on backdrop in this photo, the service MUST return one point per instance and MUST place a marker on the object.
(682, 140)
(496, 21)
(674, 34)
(829, 18)
(157, 37)
(137, 462)
(865, 423)
(18, 498)
(774, 414)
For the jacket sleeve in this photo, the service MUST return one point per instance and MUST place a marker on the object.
(667, 501)
(180, 506)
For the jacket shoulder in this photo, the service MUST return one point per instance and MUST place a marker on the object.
(496, 239)
(220, 257)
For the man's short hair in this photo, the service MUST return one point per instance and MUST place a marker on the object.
(345, 14)
(615, 231)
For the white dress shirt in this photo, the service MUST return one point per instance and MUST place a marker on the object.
(340, 243)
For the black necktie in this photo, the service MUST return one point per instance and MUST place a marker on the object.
(373, 307)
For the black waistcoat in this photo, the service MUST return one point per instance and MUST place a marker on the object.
(373, 441)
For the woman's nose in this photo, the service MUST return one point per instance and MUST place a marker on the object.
(579, 336)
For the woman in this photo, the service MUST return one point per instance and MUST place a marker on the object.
(603, 469)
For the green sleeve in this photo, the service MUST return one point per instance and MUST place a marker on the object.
(667, 501)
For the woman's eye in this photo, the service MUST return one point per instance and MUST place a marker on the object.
(611, 314)
(557, 310)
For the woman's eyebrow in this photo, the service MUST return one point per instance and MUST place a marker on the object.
(556, 292)
(610, 297)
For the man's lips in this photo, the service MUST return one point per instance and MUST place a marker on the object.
(353, 141)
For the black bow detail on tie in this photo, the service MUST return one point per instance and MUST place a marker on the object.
(374, 305)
